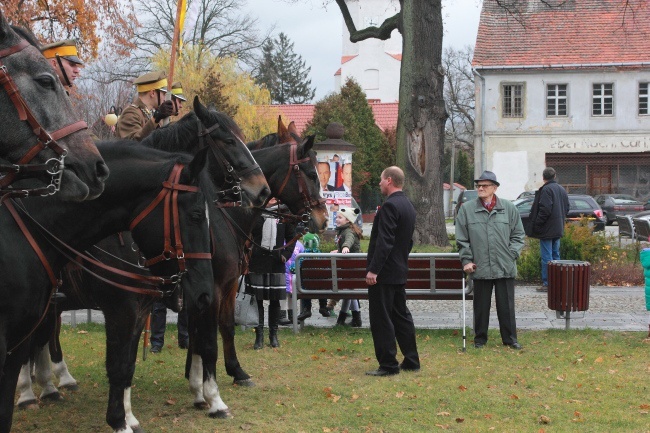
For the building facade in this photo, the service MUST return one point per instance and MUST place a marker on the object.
(566, 87)
(373, 63)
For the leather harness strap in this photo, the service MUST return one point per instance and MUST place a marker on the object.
(48, 269)
(171, 219)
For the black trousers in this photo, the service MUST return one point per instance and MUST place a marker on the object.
(391, 321)
(504, 294)
(159, 323)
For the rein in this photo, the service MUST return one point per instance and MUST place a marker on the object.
(169, 193)
(54, 166)
(232, 176)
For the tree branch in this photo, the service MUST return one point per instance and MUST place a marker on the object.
(382, 32)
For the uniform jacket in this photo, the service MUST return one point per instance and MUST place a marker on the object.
(550, 207)
(264, 261)
(347, 238)
(391, 239)
(491, 240)
(135, 122)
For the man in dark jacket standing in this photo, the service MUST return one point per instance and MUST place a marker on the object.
(547, 217)
(391, 241)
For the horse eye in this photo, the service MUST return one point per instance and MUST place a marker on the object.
(46, 81)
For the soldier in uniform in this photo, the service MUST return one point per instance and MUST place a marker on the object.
(139, 119)
(177, 97)
(63, 57)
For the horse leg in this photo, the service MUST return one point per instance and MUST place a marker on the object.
(119, 331)
(11, 366)
(26, 399)
(59, 367)
(44, 375)
(227, 330)
(206, 343)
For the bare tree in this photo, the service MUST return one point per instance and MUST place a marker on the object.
(214, 25)
(459, 94)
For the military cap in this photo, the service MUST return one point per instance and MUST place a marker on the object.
(156, 80)
(66, 49)
(177, 91)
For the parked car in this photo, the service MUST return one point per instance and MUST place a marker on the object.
(526, 194)
(464, 196)
(579, 205)
(618, 204)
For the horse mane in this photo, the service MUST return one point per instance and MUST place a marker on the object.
(173, 137)
(267, 141)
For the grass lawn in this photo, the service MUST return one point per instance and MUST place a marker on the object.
(563, 381)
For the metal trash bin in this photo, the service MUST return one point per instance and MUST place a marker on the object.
(568, 287)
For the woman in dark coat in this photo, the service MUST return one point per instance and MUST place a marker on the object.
(266, 277)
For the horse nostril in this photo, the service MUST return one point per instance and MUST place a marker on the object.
(102, 171)
(266, 192)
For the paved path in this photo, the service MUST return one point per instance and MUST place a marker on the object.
(611, 308)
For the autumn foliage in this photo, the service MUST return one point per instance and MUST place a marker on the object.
(89, 21)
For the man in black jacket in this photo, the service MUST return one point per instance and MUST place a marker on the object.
(391, 241)
(547, 217)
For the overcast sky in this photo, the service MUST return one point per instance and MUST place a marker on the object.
(316, 31)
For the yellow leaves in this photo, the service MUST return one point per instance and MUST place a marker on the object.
(359, 341)
(599, 359)
(399, 394)
(330, 395)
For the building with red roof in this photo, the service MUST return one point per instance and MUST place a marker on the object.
(564, 84)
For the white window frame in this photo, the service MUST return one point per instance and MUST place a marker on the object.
(602, 99)
(513, 100)
(555, 99)
(644, 98)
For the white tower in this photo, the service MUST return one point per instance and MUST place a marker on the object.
(373, 63)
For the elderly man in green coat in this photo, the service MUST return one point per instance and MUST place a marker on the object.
(490, 236)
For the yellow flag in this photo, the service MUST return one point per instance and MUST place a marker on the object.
(181, 23)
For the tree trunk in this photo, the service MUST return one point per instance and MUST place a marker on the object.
(422, 117)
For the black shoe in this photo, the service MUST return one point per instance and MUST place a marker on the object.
(155, 349)
(324, 312)
(183, 345)
(381, 372)
(408, 369)
(306, 314)
(479, 345)
(515, 346)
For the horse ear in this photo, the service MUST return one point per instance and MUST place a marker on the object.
(4, 27)
(292, 128)
(283, 132)
(307, 144)
(200, 109)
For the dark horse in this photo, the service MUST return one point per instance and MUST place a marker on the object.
(125, 312)
(39, 125)
(138, 176)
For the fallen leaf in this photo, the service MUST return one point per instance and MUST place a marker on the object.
(246, 426)
(599, 359)
(644, 406)
(354, 397)
(336, 398)
(459, 420)
(561, 377)
(487, 416)
(462, 388)
(514, 397)
(443, 414)
(443, 426)
(327, 389)
(326, 430)
(543, 419)
(82, 332)
(314, 357)
(359, 341)
(322, 349)
(171, 402)
(399, 394)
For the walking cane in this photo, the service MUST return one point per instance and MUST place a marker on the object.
(147, 332)
(464, 334)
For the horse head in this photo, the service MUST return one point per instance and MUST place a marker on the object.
(39, 124)
(225, 140)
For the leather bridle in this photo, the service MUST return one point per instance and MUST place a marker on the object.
(158, 287)
(233, 176)
(304, 214)
(45, 140)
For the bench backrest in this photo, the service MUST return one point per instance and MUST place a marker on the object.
(642, 229)
(625, 226)
(430, 276)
